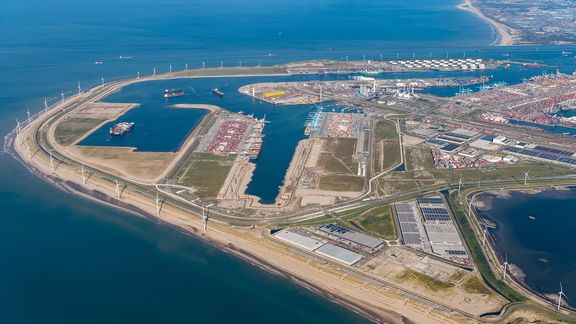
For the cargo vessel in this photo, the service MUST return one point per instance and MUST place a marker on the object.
(121, 128)
(217, 91)
(531, 65)
(171, 93)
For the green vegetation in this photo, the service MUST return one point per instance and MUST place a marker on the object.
(378, 221)
(386, 150)
(385, 130)
(418, 158)
(478, 254)
(341, 183)
(206, 173)
(391, 152)
(396, 182)
(337, 156)
(426, 280)
(71, 130)
(352, 213)
(476, 286)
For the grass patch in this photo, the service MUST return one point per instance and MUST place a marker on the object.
(477, 253)
(418, 158)
(476, 286)
(426, 280)
(379, 221)
(391, 154)
(385, 130)
(206, 173)
(71, 130)
(350, 214)
(341, 183)
(337, 156)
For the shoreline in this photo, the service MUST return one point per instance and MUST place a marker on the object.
(376, 315)
(504, 33)
(516, 273)
(336, 282)
(327, 280)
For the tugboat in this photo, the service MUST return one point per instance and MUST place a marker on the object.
(172, 93)
(121, 128)
(217, 91)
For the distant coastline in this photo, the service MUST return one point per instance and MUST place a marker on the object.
(505, 34)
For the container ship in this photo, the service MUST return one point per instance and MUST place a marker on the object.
(172, 93)
(254, 144)
(217, 91)
(121, 128)
(531, 65)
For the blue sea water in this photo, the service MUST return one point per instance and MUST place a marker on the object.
(68, 260)
(543, 247)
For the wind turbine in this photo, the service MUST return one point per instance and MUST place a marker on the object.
(484, 236)
(118, 192)
(506, 264)
(84, 179)
(51, 161)
(62, 95)
(560, 294)
(526, 178)
(157, 203)
(45, 104)
(459, 185)
(28, 114)
(205, 217)
(79, 88)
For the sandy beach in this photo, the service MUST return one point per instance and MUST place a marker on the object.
(505, 34)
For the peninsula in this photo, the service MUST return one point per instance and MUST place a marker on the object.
(375, 208)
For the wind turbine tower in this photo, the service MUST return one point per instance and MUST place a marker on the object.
(117, 189)
(157, 204)
(460, 185)
(84, 179)
(205, 217)
(79, 88)
(62, 95)
(51, 161)
(45, 104)
(28, 151)
(506, 264)
(560, 294)
(525, 178)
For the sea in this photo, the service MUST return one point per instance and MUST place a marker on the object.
(535, 231)
(65, 259)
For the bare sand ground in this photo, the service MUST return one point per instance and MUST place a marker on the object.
(506, 34)
(123, 161)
